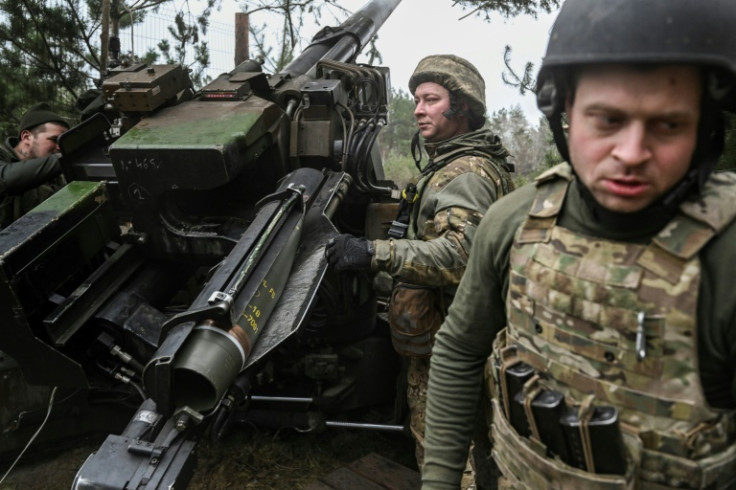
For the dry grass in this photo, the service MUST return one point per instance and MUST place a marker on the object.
(245, 460)
(268, 461)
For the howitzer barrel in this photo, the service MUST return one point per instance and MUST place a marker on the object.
(345, 42)
(229, 315)
(212, 357)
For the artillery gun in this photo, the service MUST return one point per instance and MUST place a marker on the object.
(177, 285)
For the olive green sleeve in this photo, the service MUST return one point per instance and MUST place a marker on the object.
(18, 177)
(456, 211)
(477, 313)
(464, 342)
(717, 321)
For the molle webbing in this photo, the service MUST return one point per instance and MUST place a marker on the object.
(499, 171)
(616, 321)
(400, 225)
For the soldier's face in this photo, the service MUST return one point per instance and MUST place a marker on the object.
(45, 142)
(633, 132)
(432, 101)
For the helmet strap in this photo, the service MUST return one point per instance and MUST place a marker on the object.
(551, 105)
(455, 109)
(711, 139)
(416, 151)
(555, 124)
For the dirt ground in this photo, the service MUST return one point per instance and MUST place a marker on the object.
(255, 460)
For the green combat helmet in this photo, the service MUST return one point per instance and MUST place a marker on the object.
(457, 75)
(652, 32)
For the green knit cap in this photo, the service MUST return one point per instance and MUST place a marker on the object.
(456, 74)
(40, 114)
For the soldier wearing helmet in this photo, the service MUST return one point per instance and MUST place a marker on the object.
(598, 301)
(429, 242)
(29, 163)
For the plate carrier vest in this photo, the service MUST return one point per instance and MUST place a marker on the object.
(612, 324)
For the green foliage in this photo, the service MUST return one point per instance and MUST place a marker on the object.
(289, 16)
(395, 138)
(186, 36)
(401, 169)
(524, 82)
(507, 8)
(45, 54)
(532, 148)
(50, 50)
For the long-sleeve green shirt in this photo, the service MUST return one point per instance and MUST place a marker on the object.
(25, 183)
(463, 343)
(452, 200)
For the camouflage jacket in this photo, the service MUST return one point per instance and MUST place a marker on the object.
(478, 313)
(465, 175)
(25, 184)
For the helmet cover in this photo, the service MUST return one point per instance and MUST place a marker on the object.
(457, 75)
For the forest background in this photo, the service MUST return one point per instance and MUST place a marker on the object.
(53, 50)
(56, 50)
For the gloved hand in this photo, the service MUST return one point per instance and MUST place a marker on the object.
(347, 252)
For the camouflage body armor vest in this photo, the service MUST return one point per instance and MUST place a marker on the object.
(601, 350)
(416, 311)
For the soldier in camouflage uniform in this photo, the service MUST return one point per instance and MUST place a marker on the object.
(466, 172)
(29, 164)
(598, 301)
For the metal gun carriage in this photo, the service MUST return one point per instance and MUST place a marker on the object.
(177, 285)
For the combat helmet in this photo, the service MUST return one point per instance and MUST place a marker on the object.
(588, 32)
(457, 75)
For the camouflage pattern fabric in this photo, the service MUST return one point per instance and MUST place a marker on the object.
(452, 222)
(456, 75)
(576, 306)
(417, 378)
(466, 175)
(415, 316)
(416, 395)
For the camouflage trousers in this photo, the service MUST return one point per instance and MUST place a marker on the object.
(416, 397)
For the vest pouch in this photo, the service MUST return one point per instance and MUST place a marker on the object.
(717, 472)
(414, 315)
(525, 466)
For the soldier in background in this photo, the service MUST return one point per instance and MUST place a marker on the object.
(429, 242)
(29, 164)
(612, 274)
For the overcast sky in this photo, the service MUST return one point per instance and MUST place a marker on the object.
(418, 28)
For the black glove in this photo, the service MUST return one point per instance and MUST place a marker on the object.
(347, 252)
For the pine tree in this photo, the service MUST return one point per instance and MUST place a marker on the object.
(50, 50)
(45, 53)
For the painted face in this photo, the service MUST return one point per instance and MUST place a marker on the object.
(633, 132)
(45, 142)
(432, 100)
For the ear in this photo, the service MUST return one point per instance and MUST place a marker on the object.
(25, 135)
